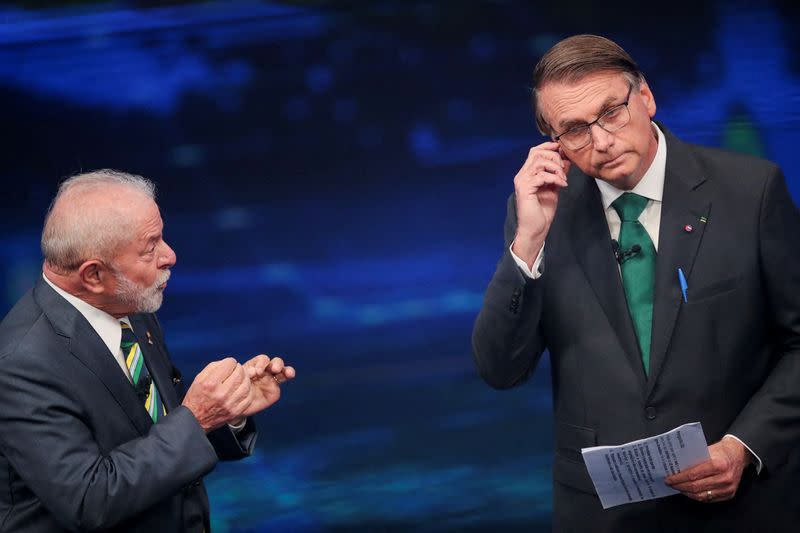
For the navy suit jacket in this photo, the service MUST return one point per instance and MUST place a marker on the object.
(78, 452)
(728, 357)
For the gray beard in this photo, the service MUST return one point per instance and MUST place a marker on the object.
(142, 299)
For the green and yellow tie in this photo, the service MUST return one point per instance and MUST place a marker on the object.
(638, 270)
(139, 374)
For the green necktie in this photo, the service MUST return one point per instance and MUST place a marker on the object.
(139, 374)
(638, 269)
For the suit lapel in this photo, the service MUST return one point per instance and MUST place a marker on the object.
(593, 249)
(157, 364)
(86, 345)
(681, 229)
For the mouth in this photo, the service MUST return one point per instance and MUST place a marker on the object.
(613, 162)
(166, 277)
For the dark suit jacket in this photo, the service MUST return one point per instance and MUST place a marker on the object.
(78, 451)
(729, 358)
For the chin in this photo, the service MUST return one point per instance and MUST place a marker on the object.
(618, 177)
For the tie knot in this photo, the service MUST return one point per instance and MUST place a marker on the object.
(128, 337)
(629, 206)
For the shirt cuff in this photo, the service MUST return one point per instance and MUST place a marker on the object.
(756, 460)
(238, 427)
(532, 273)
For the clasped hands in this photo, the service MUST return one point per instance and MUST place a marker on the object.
(716, 479)
(226, 392)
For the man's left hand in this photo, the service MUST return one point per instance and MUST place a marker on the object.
(266, 376)
(716, 479)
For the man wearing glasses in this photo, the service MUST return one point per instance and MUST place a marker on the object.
(664, 279)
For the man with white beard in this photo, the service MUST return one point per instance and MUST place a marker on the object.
(97, 430)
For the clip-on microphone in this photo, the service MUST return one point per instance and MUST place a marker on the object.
(623, 255)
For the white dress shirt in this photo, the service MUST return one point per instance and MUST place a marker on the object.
(651, 186)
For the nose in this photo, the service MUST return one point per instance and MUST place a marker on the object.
(167, 258)
(601, 139)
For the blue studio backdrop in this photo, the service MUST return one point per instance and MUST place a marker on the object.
(333, 177)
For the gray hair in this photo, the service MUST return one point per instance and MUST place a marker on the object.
(576, 57)
(81, 231)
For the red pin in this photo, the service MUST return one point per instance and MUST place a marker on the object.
(688, 228)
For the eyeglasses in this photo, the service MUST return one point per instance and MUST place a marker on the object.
(611, 120)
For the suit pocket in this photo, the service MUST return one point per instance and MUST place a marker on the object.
(570, 439)
(568, 466)
(713, 289)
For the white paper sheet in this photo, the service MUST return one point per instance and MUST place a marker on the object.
(635, 471)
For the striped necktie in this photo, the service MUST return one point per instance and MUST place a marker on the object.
(142, 381)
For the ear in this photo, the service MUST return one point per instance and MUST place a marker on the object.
(94, 276)
(647, 98)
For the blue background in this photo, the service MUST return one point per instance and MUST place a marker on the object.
(333, 177)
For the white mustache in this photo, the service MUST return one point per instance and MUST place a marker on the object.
(162, 278)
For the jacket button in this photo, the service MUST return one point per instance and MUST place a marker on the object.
(650, 412)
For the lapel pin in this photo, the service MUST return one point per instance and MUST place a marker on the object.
(703, 220)
(688, 228)
(149, 338)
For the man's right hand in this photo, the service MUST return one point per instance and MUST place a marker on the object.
(220, 393)
(537, 185)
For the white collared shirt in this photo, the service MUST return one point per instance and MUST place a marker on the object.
(105, 325)
(651, 186)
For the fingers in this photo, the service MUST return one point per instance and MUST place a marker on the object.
(236, 386)
(275, 366)
(256, 366)
(219, 371)
(721, 485)
(225, 391)
(217, 394)
(703, 470)
(550, 151)
(543, 166)
(714, 480)
(261, 365)
(284, 376)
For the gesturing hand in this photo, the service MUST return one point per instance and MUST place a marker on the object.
(716, 479)
(220, 393)
(536, 186)
(266, 376)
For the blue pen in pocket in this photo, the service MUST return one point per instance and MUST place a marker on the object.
(684, 285)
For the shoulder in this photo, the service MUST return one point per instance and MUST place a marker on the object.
(29, 345)
(24, 324)
(733, 164)
(725, 167)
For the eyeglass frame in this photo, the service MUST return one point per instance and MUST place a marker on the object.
(588, 126)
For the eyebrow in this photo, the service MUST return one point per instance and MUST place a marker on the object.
(152, 239)
(571, 123)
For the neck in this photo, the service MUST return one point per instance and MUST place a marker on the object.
(70, 282)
